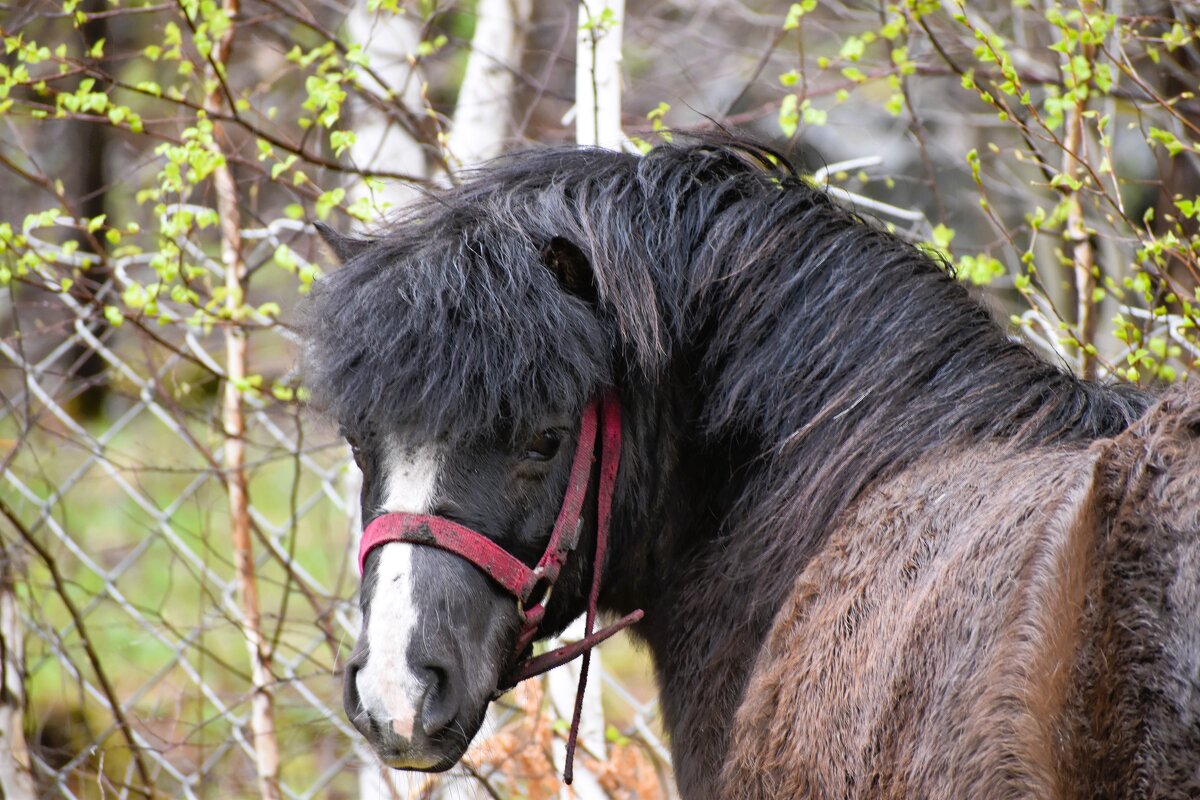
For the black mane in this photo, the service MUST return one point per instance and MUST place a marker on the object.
(816, 329)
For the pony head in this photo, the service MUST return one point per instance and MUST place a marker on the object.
(457, 356)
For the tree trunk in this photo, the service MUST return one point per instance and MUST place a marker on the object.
(86, 364)
(598, 74)
(483, 113)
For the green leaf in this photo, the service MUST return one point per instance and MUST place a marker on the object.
(979, 270)
(1168, 140)
(341, 141)
(599, 23)
(941, 236)
(796, 11)
(134, 296)
(813, 115)
(789, 115)
(328, 200)
(852, 49)
(283, 166)
(855, 74)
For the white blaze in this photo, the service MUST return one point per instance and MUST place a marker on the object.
(389, 691)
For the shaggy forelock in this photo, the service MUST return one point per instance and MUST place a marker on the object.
(436, 331)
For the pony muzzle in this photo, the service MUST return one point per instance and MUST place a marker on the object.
(407, 729)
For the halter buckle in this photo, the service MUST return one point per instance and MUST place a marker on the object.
(539, 577)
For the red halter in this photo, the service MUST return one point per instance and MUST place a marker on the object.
(532, 587)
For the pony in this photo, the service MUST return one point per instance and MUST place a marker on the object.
(882, 548)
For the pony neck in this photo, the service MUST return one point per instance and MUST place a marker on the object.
(833, 359)
(677, 495)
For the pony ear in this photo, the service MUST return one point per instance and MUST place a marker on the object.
(344, 247)
(570, 267)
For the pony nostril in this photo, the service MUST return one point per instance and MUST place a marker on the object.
(440, 704)
(351, 701)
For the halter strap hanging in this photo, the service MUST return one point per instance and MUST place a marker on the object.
(532, 586)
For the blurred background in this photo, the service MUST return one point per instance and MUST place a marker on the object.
(177, 577)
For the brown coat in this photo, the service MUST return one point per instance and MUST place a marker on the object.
(993, 623)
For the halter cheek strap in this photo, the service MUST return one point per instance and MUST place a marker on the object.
(532, 586)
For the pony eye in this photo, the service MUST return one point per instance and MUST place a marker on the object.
(355, 449)
(543, 446)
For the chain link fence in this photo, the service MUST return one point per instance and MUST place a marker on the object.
(124, 582)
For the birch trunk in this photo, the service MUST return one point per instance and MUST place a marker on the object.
(483, 113)
(598, 74)
(388, 41)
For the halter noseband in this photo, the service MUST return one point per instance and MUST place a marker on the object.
(532, 587)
